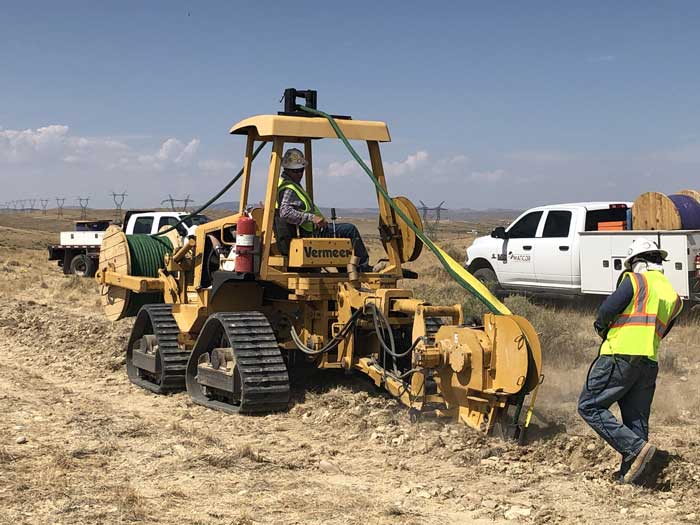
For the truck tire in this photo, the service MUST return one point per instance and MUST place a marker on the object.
(488, 277)
(82, 266)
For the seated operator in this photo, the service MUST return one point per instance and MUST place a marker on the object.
(297, 208)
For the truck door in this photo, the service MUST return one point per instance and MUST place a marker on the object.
(515, 263)
(553, 251)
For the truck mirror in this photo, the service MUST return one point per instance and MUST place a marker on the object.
(499, 233)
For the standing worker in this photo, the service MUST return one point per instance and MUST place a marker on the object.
(632, 321)
(297, 208)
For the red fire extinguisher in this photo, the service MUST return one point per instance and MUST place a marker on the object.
(245, 243)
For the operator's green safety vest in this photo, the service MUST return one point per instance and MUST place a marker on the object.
(285, 184)
(638, 330)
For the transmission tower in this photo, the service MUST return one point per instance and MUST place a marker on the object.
(83, 206)
(59, 205)
(118, 201)
(44, 205)
(432, 217)
(32, 203)
(174, 201)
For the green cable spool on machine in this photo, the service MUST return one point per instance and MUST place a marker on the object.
(131, 255)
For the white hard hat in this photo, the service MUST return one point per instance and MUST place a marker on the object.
(639, 246)
(293, 159)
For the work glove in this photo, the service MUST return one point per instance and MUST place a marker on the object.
(601, 330)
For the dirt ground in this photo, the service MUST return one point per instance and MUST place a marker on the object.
(80, 444)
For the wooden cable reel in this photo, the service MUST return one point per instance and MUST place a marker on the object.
(410, 246)
(655, 211)
(115, 256)
(691, 193)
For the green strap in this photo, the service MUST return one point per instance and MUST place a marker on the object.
(493, 304)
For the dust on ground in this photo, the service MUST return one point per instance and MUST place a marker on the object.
(80, 444)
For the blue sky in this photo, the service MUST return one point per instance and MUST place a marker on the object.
(488, 105)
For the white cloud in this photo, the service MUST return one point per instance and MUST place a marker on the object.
(410, 164)
(53, 159)
(343, 169)
(419, 163)
(487, 176)
(216, 165)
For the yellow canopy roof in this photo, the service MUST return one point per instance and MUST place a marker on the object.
(267, 126)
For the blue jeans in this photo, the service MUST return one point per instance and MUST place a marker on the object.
(629, 384)
(345, 230)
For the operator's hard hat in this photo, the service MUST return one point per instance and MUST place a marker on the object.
(640, 246)
(293, 159)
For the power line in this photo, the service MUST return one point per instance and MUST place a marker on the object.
(59, 203)
(118, 202)
(83, 201)
(173, 201)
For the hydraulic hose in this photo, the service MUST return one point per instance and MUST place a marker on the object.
(335, 341)
(453, 268)
(214, 198)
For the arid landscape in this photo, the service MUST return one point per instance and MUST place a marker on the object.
(80, 445)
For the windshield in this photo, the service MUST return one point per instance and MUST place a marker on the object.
(195, 220)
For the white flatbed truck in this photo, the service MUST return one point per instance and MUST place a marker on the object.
(79, 251)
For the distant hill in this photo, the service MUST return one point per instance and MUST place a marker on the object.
(463, 214)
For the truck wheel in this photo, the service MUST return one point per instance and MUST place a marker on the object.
(82, 266)
(488, 277)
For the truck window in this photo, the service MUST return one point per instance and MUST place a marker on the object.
(593, 217)
(143, 224)
(526, 227)
(172, 221)
(557, 224)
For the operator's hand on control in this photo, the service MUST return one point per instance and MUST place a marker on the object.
(319, 222)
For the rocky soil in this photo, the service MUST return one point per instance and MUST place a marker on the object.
(80, 444)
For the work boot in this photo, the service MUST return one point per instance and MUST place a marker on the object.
(640, 463)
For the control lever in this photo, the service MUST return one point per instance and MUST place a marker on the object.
(333, 218)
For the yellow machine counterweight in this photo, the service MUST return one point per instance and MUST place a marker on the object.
(230, 337)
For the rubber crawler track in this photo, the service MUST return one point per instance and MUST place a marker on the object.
(173, 360)
(264, 377)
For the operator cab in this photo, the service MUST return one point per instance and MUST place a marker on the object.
(280, 252)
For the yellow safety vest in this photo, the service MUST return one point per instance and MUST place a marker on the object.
(285, 184)
(638, 330)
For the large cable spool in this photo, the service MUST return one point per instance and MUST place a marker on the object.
(410, 246)
(689, 210)
(656, 211)
(691, 193)
(138, 255)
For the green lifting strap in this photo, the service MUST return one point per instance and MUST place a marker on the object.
(456, 271)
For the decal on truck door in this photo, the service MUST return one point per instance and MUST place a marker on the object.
(518, 257)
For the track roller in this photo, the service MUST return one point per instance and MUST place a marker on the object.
(154, 360)
(236, 365)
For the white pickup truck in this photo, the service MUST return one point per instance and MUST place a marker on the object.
(79, 251)
(560, 249)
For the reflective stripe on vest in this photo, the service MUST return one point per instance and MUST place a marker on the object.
(285, 184)
(639, 329)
